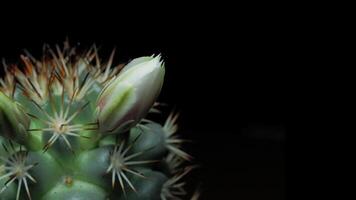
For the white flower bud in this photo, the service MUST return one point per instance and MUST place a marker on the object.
(128, 97)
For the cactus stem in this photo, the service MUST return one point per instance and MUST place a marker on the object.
(55, 101)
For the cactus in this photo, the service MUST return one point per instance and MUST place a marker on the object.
(74, 127)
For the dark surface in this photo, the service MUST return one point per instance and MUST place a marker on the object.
(228, 81)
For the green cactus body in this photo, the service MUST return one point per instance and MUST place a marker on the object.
(73, 127)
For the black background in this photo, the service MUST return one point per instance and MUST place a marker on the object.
(226, 75)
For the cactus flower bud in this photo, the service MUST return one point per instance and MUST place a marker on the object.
(128, 97)
(13, 120)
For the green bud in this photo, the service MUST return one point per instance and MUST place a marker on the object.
(149, 140)
(148, 188)
(14, 122)
(128, 97)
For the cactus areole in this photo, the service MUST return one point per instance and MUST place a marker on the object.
(73, 126)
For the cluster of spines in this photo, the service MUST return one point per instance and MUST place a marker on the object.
(17, 168)
(58, 71)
